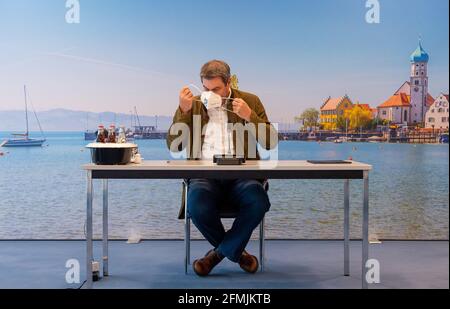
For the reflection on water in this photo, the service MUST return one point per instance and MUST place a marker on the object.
(42, 194)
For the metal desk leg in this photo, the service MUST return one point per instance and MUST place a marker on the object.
(365, 229)
(346, 228)
(105, 228)
(89, 248)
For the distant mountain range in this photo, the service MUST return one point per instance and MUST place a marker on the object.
(70, 120)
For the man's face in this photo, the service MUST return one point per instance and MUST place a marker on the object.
(217, 86)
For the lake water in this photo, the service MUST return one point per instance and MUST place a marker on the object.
(43, 194)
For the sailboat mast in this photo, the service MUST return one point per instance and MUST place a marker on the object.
(26, 108)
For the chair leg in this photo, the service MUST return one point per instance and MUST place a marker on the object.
(186, 244)
(188, 250)
(187, 231)
(261, 245)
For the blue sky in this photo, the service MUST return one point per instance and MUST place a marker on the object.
(293, 54)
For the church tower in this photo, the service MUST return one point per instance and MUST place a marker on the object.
(419, 84)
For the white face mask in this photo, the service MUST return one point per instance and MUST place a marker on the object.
(211, 100)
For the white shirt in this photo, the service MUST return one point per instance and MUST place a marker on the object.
(218, 139)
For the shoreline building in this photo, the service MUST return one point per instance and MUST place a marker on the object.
(410, 103)
(437, 116)
(332, 108)
(373, 111)
(396, 109)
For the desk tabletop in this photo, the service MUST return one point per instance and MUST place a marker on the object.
(199, 165)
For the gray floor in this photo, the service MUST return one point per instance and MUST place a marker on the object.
(289, 264)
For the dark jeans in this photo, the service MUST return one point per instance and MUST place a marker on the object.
(248, 195)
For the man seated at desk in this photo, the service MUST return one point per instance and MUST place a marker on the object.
(221, 121)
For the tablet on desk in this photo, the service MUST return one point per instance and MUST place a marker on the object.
(329, 161)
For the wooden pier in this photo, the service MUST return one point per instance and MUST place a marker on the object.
(415, 137)
(322, 136)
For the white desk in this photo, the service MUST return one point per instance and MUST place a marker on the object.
(250, 170)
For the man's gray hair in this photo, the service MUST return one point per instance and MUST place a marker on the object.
(216, 68)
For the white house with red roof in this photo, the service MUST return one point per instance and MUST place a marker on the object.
(396, 109)
(437, 115)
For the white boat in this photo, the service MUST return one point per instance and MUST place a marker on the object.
(376, 139)
(312, 136)
(23, 139)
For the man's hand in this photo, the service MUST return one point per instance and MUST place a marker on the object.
(186, 97)
(241, 108)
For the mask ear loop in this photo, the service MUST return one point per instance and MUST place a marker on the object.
(227, 99)
(200, 91)
(228, 110)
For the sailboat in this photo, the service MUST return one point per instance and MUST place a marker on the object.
(23, 139)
